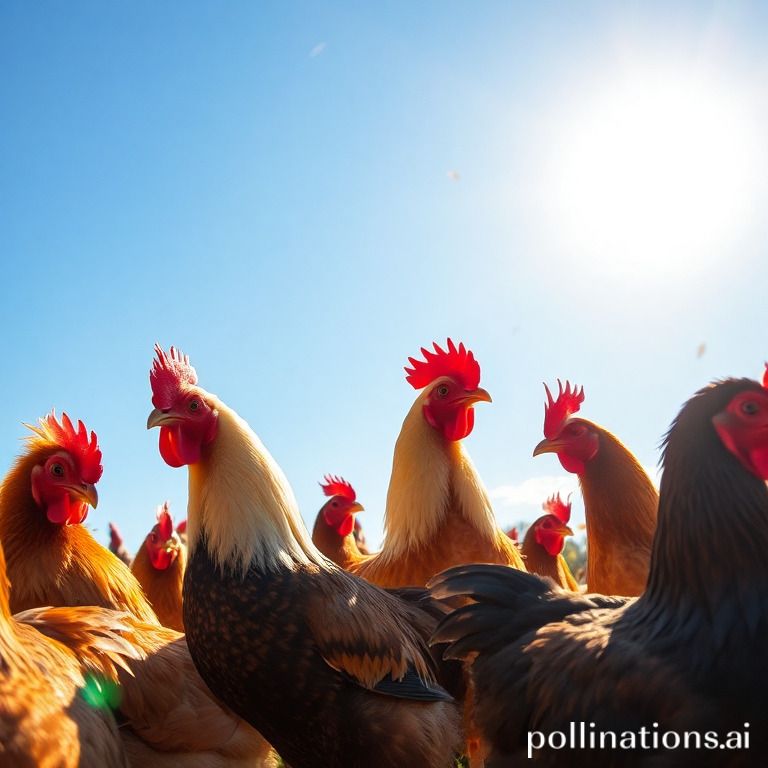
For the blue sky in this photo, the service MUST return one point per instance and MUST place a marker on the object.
(300, 195)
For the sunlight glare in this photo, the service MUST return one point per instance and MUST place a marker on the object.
(656, 172)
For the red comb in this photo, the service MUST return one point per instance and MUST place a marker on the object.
(169, 372)
(182, 526)
(457, 362)
(164, 522)
(557, 411)
(554, 505)
(765, 376)
(76, 442)
(338, 486)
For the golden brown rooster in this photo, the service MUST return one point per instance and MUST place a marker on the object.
(438, 513)
(334, 530)
(52, 559)
(544, 541)
(54, 662)
(332, 670)
(159, 567)
(620, 501)
(172, 719)
(688, 655)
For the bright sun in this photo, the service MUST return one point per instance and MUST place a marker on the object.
(654, 172)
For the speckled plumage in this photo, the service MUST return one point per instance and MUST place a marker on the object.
(268, 644)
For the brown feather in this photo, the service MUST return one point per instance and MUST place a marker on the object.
(166, 704)
(44, 719)
(539, 561)
(620, 505)
(163, 588)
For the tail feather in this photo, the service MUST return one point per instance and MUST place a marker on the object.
(506, 605)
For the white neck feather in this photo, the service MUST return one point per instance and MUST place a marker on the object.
(429, 474)
(240, 498)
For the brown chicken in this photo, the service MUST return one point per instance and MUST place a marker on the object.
(620, 501)
(53, 664)
(544, 541)
(52, 559)
(171, 717)
(334, 671)
(159, 567)
(688, 655)
(334, 530)
(438, 513)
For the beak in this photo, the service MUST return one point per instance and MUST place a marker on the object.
(160, 418)
(86, 492)
(564, 530)
(548, 446)
(478, 395)
(357, 507)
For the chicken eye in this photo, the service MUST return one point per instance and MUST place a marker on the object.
(442, 390)
(750, 408)
(57, 470)
(194, 405)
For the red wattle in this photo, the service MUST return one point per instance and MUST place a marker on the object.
(65, 511)
(552, 542)
(347, 524)
(462, 424)
(176, 448)
(58, 511)
(570, 464)
(161, 559)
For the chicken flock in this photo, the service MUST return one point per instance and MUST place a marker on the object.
(235, 638)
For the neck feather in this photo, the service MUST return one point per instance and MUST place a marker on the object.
(241, 501)
(710, 547)
(429, 474)
(620, 504)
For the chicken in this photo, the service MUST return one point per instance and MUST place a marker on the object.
(332, 670)
(52, 559)
(171, 717)
(544, 541)
(159, 567)
(689, 654)
(438, 512)
(620, 501)
(334, 530)
(49, 714)
(117, 545)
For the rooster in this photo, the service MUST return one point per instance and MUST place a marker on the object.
(52, 559)
(54, 662)
(334, 530)
(689, 654)
(332, 670)
(117, 545)
(620, 501)
(171, 717)
(159, 567)
(438, 512)
(544, 541)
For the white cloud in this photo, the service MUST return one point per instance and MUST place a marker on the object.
(533, 491)
(317, 50)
